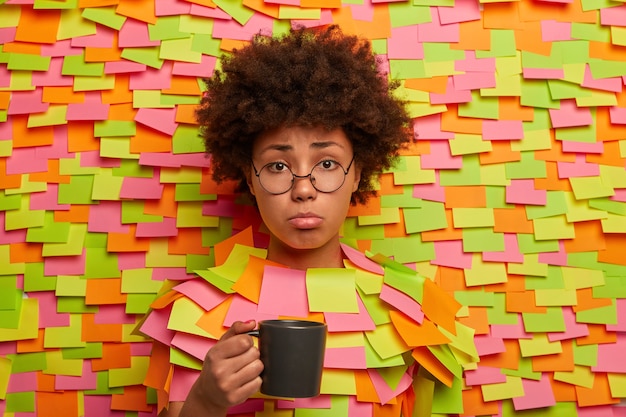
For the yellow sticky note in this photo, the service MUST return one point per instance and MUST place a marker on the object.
(57, 365)
(617, 385)
(139, 281)
(189, 214)
(185, 314)
(386, 341)
(484, 273)
(56, 115)
(187, 175)
(338, 381)
(413, 172)
(614, 223)
(387, 215)
(106, 186)
(579, 211)
(332, 290)
(467, 143)
(590, 187)
(511, 388)
(530, 266)
(581, 376)
(120, 377)
(577, 278)
(5, 373)
(555, 227)
(65, 336)
(555, 297)
(28, 323)
(73, 246)
(158, 256)
(539, 345)
(472, 217)
(345, 339)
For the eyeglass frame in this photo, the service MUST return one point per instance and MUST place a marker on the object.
(257, 173)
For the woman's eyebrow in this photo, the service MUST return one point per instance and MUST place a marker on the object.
(325, 144)
(276, 147)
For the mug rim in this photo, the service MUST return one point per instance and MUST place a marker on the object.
(291, 323)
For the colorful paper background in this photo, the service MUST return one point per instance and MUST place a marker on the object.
(513, 199)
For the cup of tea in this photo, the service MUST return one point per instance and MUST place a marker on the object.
(292, 352)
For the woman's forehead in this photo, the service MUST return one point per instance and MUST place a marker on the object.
(298, 139)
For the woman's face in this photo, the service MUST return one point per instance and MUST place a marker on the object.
(302, 217)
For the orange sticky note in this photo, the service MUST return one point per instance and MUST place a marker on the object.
(249, 284)
(114, 355)
(466, 196)
(586, 300)
(588, 237)
(509, 108)
(500, 153)
(440, 307)
(512, 220)
(451, 122)
(213, 320)
(134, 398)
(80, 137)
(223, 249)
(522, 302)
(365, 390)
(165, 206)
(149, 140)
(93, 332)
(563, 361)
(599, 394)
(414, 335)
(77, 213)
(432, 85)
(127, 242)
(477, 319)
(552, 181)
(142, 10)
(25, 252)
(38, 25)
(120, 93)
(54, 404)
(23, 137)
(188, 241)
(426, 359)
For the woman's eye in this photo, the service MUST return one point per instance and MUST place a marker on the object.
(328, 164)
(277, 167)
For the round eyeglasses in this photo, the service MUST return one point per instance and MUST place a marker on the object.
(326, 176)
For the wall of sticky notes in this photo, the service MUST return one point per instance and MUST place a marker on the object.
(513, 198)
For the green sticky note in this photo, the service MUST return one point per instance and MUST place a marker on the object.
(550, 321)
(496, 197)
(28, 362)
(189, 214)
(139, 281)
(480, 107)
(377, 309)
(113, 128)
(185, 313)
(166, 27)
(88, 351)
(94, 83)
(524, 370)
(8, 267)
(73, 246)
(10, 202)
(21, 323)
(176, 99)
(133, 212)
(187, 139)
(552, 61)
(555, 205)
(332, 381)
(405, 199)
(539, 345)
(131, 168)
(482, 239)
(475, 298)
(102, 386)
(472, 217)
(600, 315)
(502, 44)
(72, 24)
(409, 13)
(411, 172)
(20, 402)
(35, 280)
(560, 90)
(191, 192)
(497, 313)
(105, 16)
(448, 400)
(74, 305)
(585, 355)
(121, 377)
(100, 263)
(205, 43)
(412, 249)
(528, 244)
(196, 24)
(535, 93)
(10, 295)
(531, 266)
(28, 62)
(148, 55)
(407, 68)
(236, 9)
(469, 174)
(410, 283)
(614, 287)
(57, 365)
(138, 303)
(332, 290)
(533, 140)
(76, 65)
(430, 216)
(78, 191)
(556, 297)
(527, 167)
(183, 174)
(386, 215)
(51, 231)
(351, 229)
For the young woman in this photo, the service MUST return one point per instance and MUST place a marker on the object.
(304, 122)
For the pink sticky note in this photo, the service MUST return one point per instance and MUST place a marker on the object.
(601, 411)
(8, 35)
(93, 159)
(484, 375)
(202, 293)
(613, 85)
(242, 309)
(432, 192)
(474, 80)
(357, 408)
(163, 159)
(385, 393)
(363, 12)
(155, 325)
(251, 406)
(573, 329)
(23, 161)
(435, 31)
(345, 358)
(231, 29)
(175, 274)
(451, 95)
(522, 191)
(537, 394)
(171, 8)
(552, 30)
(224, 206)
(554, 258)
(429, 128)
(131, 260)
(204, 69)
(27, 102)
(579, 168)
(47, 200)
(48, 316)
(23, 382)
(320, 402)
(402, 302)
(360, 260)
(182, 380)
(60, 48)
(543, 73)
(582, 147)
(5, 76)
(611, 356)
(617, 115)
(134, 33)
(473, 64)
(64, 265)
(103, 38)
(488, 345)
(463, 11)
(511, 251)
(113, 314)
(403, 43)
(440, 157)
(51, 78)
(100, 406)
(152, 78)
(106, 217)
(213, 12)
(91, 109)
(569, 115)
(450, 253)
(283, 292)
(120, 67)
(196, 346)
(510, 331)
(613, 16)
(326, 18)
(141, 348)
(87, 381)
(503, 130)
(165, 228)
(346, 322)
(142, 188)
(163, 120)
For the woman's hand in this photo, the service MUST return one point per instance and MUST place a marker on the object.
(229, 376)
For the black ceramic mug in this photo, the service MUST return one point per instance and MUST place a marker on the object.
(292, 352)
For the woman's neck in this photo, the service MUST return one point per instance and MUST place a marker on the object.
(328, 256)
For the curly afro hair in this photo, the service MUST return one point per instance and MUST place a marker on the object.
(306, 78)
